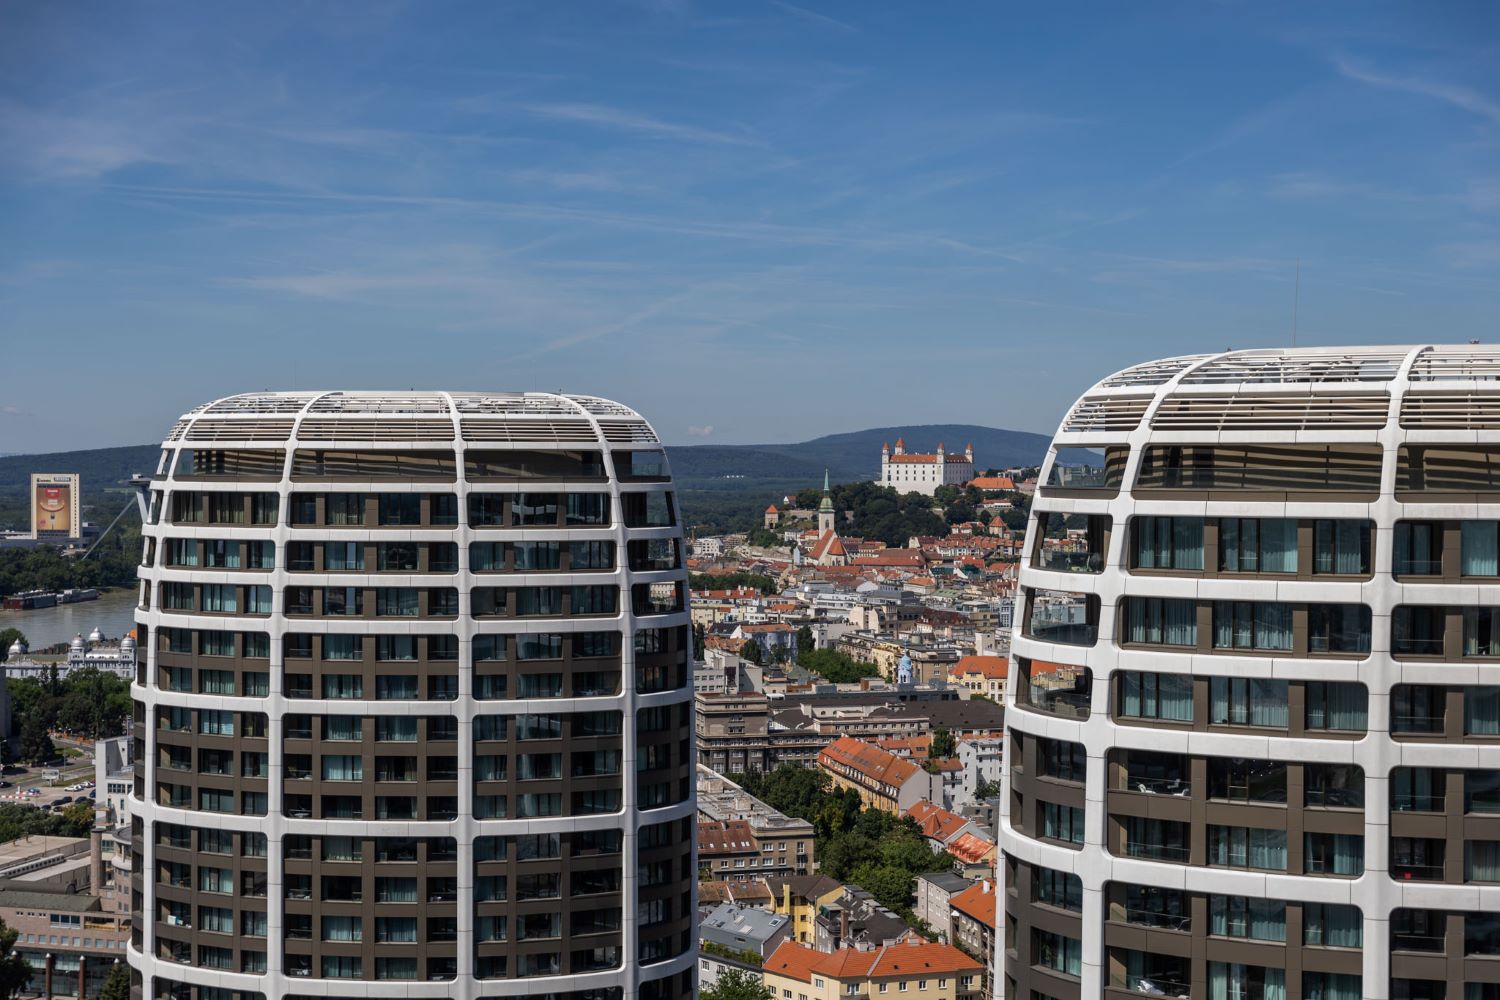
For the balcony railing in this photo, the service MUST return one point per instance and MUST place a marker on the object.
(1155, 918)
(1417, 647)
(1157, 852)
(1417, 942)
(1069, 704)
(1158, 986)
(1418, 803)
(1179, 787)
(1417, 723)
(1067, 561)
(1416, 873)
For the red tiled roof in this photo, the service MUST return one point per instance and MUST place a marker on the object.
(794, 961)
(891, 557)
(909, 958)
(918, 746)
(970, 848)
(993, 667)
(868, 760)
(828, 544)
(978, 901)
(726, 837)
(993, 483)
(936, 822)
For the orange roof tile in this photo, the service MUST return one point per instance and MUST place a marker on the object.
(993, 483)
(936, 822)
(970, 848)
(793, 960)
(869, 760)
(891, 557)
(909, 958)
(828, 544)
(978, 901)
(912, 958)
(993, 667)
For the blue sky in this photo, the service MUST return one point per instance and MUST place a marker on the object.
(754, 221)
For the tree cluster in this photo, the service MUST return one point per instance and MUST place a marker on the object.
(763, 538)
(46, 568)
(869, 848)
(879, 512)
(737, 984)
(835, 667)
(21, 820)
(731, 581)
(90, 702)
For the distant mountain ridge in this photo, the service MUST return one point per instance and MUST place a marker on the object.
(852, 456)
(847, 457)
(99, 467)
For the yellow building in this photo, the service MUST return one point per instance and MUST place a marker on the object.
(914, 971)
(798, 897)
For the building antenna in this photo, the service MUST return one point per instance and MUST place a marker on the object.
(1296, 300)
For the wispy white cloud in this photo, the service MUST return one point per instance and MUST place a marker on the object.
(813, 17)
(702, 432)
(69, 146)
(730, 229)
(1460, 97)
(624, 120)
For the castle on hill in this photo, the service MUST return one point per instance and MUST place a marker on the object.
(916, 473)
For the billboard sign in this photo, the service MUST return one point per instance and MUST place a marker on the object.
(54, 506)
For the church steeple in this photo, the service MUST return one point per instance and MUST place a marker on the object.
(826, 514)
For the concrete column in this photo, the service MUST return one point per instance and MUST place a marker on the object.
(47, 983)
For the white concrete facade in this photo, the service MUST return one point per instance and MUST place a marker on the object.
(393, 423)
(1315, 393)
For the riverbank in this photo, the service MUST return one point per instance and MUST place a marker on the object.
(113, 613)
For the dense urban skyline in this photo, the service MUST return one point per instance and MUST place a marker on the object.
(712, 209)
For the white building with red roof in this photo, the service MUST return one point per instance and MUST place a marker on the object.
(910, 472)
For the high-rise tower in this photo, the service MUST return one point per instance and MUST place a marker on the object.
(1254, 728)
(413, 708)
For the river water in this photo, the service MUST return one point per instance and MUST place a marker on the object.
(113, 613)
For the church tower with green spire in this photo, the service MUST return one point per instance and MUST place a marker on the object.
(826, 513)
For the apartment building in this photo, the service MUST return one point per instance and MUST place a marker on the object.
(742, 838)
(1255, 730)
(881, 779)
(413, 704)
(916, 970)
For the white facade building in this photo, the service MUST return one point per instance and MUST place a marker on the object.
(415, 700)
(908, 472)
(1255, 747)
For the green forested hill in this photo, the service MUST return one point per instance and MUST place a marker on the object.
(100, 467)
(847, 457)
(850, 457)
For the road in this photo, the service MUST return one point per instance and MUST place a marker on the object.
(76, 769)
